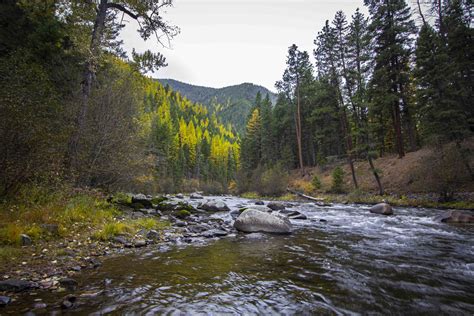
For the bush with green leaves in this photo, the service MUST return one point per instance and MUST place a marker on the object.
(316, 183)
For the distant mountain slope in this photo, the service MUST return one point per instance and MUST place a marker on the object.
(232, 104)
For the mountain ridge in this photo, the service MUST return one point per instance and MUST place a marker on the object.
(231, 103)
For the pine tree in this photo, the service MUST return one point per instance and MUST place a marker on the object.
(297, 73)
(392, 29)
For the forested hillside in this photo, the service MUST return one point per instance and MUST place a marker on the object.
(232, 104)
(380, 85)
(74, 110)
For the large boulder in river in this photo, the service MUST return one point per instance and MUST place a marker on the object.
(382, 208)
(252, 221)
(214, 206)
(458, 217)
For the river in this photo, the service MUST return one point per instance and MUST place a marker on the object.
(352, 262)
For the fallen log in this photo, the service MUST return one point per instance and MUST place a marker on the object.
(312, 198)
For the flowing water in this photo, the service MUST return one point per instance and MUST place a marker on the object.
(353, 263)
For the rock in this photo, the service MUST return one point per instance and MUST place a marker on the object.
(143, 200)
(39, 305)
(458, 217)
(16, 285)
(153, 234)
(214, 206)
(261, 208)
(68, 302)
(235, 213)
(179, 223)
(296, 215)
(179, 196)
(68, 284)
(4, 300)
(381, 208)
(25, 240)
(276, 206)
(182, 214)
(253, 220)
(122, 240)
(323, 220)
(50, 228)
(259, 203)
(198, 228)
(255, 236)
(196, 196)
(214, 233)
(139, 243)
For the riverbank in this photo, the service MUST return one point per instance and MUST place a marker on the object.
(465, 200)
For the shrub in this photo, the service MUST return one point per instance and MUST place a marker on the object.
(337, 180)
(316, 183)
(274, 182)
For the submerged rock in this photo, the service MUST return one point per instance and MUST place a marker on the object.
(214, 233)
(69, 284)
(253, 220)
(276, 206)
(457, 217)
(381, 208)
(4, 300)
(16, 285)
(214, 206)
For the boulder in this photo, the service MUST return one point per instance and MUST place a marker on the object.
(214, 206)
(179, 196)
(16, 285)
(276, 206)
(381, 208)
(253, 220)
(457, 217)
(143, 200)
(196, 196)
(25, 240)
(259, 203)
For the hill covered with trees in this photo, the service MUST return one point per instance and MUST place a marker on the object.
(232, 104)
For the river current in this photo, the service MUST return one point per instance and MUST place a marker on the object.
(342, 260)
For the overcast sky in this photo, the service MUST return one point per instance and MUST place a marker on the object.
(226, 42)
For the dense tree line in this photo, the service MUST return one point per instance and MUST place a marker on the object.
(380, 85)
(74, 109)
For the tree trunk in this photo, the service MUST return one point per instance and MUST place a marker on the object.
(398, 129)
(298, 127)
(89, 71)
(375, 173)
